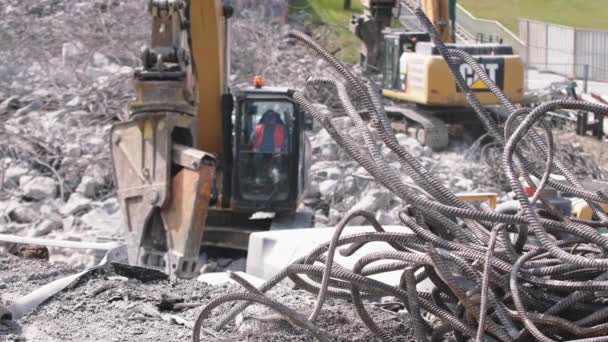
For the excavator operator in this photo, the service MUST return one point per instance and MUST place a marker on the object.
(270, 134)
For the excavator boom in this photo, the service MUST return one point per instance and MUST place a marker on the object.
(438, 12)
(164, 157)
(377, 16)
(208, 34)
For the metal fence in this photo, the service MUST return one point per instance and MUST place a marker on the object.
(485, 30)
(568, 51)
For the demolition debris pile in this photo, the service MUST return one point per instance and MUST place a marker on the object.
(68, 78)
(65, 79)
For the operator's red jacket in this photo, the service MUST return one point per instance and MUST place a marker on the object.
(279, 134)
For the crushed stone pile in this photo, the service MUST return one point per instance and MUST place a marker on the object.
(65, 80)
(107, 306)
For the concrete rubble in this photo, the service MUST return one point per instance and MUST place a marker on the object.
(59, 95)
(61, 91)
(338, 184)
(37, 188)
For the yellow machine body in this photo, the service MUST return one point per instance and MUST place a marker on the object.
(582, 210)
(428, 81)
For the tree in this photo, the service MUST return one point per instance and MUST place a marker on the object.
(347, 5)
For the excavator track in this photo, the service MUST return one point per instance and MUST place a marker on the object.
(432, 131)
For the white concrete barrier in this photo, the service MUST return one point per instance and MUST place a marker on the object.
(220, 278)
(270, 252)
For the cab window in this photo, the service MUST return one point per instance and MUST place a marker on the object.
(267, 126)
(266, 129)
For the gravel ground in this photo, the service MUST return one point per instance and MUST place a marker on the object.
(107, 307)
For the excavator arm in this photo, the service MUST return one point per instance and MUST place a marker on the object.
(209, 49)
(164, 157)
(378, 15)
(438, 12)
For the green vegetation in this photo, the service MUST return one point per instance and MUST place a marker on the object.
(579, 13)
(328, 11)
(329, 20)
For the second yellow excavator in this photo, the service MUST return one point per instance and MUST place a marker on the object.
(416, 76)
(196, 161)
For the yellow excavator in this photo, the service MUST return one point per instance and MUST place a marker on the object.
(418, 78)
(192, 164)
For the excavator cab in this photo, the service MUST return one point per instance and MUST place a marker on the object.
(396, 42)
(270, 157)
(268, 136)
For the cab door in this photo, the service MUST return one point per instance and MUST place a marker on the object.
(267, 146)
(391, 62)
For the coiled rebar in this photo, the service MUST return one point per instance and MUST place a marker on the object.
(537, 274)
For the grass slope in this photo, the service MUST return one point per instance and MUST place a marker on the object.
(579, 13)
(330, 21)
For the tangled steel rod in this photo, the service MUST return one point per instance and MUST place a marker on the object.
(492, 276)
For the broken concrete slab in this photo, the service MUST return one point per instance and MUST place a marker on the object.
(313, 190)
(326, 188)
(69, 223)
(44, 228)
(98, 220)
(13, 173)
(38, 188)
(270, 252)
(221, 278)
(76, 203)
(111, 205)
(321, 220)
(49, 210)
(88, 187)
(23, 213)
